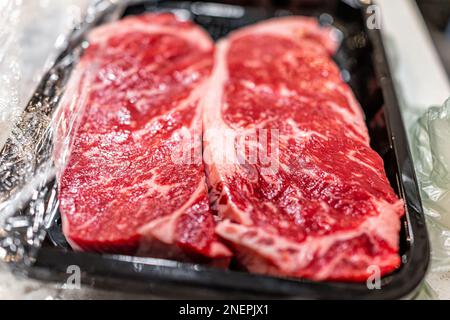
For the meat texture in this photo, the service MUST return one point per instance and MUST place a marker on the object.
(125, 188)
(315, 202)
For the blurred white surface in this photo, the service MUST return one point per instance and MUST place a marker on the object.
(420, 76)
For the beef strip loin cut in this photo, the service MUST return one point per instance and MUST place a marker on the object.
(122, 190)
(322, 207)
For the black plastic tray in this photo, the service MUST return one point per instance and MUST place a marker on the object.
(363, 62)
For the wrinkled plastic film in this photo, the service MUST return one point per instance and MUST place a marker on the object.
(9, 66)
(31, 33)
(40, 139)
(431, 150)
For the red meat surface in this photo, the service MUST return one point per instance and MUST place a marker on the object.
(321, 207)
(123, 190)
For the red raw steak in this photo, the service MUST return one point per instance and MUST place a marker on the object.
(122, 190)
(322, 207)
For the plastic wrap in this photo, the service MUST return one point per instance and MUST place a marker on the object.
(31, 33)
(431, 151)
(28, 199)
(10, 72)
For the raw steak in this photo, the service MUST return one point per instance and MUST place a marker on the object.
(124, 189)
(315, 202)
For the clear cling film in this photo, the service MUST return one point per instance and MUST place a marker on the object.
(9, 66)
(432, 162)
(28, 189)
